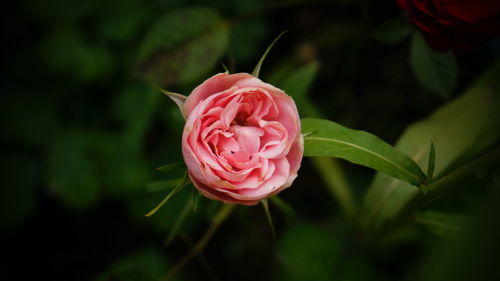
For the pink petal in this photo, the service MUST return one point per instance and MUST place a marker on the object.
(248, 137)
(211, 86)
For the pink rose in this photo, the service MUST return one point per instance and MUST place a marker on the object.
(242, 141)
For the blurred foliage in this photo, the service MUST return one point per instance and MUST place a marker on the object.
(316, 244)
(392, 31)
(182, 46)
(83, 130)
(146, 264)
(461, 130)
(436, 71)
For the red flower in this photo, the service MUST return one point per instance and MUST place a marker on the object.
(455, 24)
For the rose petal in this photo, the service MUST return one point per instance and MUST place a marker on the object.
(213, 85)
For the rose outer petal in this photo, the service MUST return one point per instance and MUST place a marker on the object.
(213, 85)
(223, 157)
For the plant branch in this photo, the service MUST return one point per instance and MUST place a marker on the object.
(220, 217)
(334, 178)
(454, 180)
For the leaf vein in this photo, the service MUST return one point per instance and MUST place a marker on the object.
(397, 166)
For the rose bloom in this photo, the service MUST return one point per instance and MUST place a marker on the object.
(241, 141)
(455, 24)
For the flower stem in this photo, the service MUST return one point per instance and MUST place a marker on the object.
(454, 180)
(220, 217)
(332, 173)
(334, 178)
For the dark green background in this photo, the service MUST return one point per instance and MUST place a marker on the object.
(82, 131)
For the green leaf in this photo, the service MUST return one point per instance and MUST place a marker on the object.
(178, 222)
(164, 220)
(256, 70)
(438, 72)
(336, 181)
(135, 106)
(20, 128)
(284, 207)
(265, 206)
(71, 171)
(173, 170)
(445, 225)
(246, 37)
(195, 198)
(147, 264)
(460, 131)
(309, 252)
(474, 254)
(121, 23)
(331, 139)
(121, 162)
(172, 167)
(183, 183)
(61, 49)
(296, 81)
(182, 46)
(297, 84)
(163, 185)
(392, 31)
(95, 63)
(431, 165)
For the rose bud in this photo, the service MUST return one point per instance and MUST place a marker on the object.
(458, 25)
(241, 141)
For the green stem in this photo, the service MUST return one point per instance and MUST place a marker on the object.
(178, 222)
(332, 173)
(454, 180)
(220, 217)
(334, 178)
(203, 261)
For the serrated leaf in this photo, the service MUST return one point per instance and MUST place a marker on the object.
(331, 139)
(438, 72)
(256, 70)
(392, 31)
(182, 46)
(460, 131)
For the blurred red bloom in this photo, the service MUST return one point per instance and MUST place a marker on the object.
(455, 24)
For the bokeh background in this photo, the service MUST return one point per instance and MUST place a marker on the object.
(82, 130)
